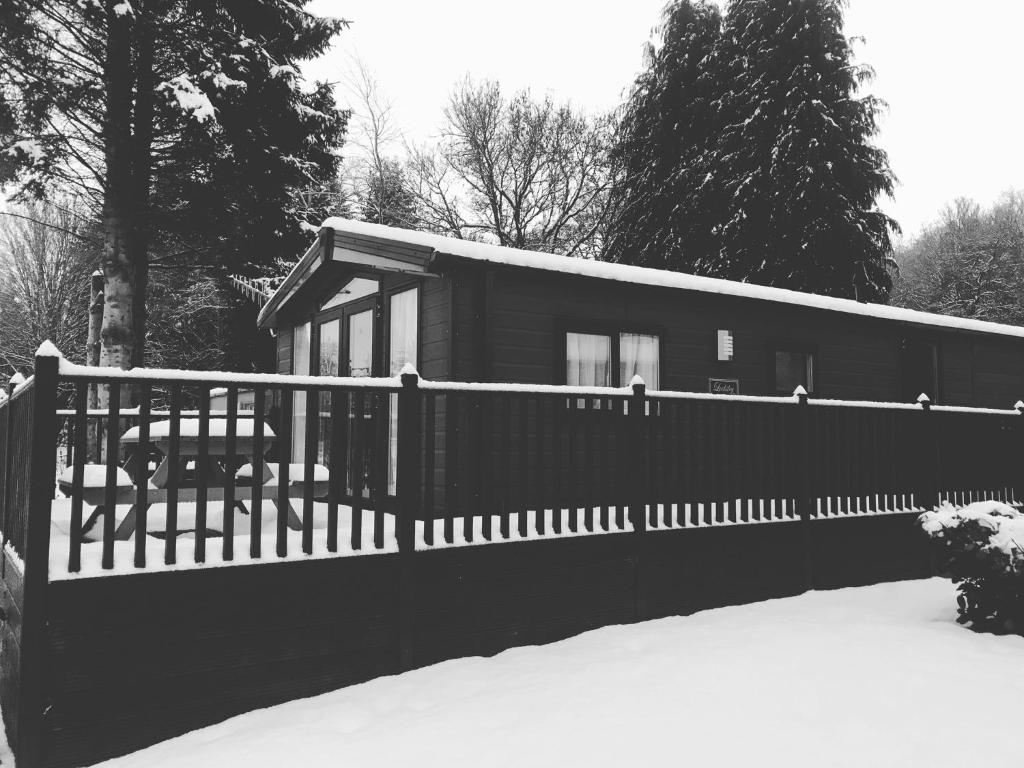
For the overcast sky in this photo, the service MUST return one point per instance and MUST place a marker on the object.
(950, 72)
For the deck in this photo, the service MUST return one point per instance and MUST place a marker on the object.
(422, 521)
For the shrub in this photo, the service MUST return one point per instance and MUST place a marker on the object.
(981, 548)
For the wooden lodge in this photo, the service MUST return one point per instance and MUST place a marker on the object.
(466, 448)
(366, 298)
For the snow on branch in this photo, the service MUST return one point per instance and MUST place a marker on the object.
(193, 102)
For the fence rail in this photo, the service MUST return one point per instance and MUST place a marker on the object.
(333, 465)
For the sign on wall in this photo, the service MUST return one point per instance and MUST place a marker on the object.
(724, 386)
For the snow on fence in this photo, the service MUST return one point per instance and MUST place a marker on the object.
(329, 466)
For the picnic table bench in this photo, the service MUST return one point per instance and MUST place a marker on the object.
(219, 463)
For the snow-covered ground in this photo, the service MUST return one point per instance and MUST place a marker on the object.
(873, 676)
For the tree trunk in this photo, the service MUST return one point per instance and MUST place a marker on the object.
(92, 354)
(118, 332)
(126, 195)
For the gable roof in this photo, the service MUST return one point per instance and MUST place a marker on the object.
(497, 254)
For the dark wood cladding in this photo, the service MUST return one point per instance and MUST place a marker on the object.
(856, 357)
(201, 646)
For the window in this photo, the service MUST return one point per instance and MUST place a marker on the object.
(360, 344)
(403, 333)
(403, 329)
(300, 366)
(604, 360)
(330, 361)
(588, 360)
(354, 289)
(638, 355)
(793, 368)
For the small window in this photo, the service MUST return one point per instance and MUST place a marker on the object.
(588, 360)
(793, 368)
(354, 289)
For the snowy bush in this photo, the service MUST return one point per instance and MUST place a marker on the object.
(981, 548)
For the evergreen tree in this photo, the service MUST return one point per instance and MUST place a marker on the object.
(385, 196)
(664, 205)
(186, 121)
(799, 175)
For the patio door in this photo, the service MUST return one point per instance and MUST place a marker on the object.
(359, 363)
(403, 347)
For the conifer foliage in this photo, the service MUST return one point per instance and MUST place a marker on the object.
(185, 122)
(779, 185)
(662, 144)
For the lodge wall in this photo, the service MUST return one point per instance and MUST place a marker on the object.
(199, 646)
(856, 357)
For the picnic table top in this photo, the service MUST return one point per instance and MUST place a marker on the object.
(189, 429)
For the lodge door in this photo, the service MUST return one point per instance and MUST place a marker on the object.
(359, 363)
(345, 347)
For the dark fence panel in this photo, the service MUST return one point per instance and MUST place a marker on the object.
(714, 500)
(16, 438)
(210, 486)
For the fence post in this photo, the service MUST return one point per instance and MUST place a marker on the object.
(408, 492)
(16, 381)
(805, 501)
(637, 491)
(929, 483)
(42, 477)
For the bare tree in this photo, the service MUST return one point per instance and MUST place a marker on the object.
(374, 175)
(969, 264)
(47, 253)
(526, 172)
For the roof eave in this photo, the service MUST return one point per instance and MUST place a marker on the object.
(317, 254)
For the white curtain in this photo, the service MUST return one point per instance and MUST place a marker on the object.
(300, 366)
(360, 344)
(638, 354)
(404, 333)
(588, 360)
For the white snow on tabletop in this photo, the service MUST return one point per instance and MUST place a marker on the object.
(469, 249)
(190, 98)
(190, 428)
(844, 678)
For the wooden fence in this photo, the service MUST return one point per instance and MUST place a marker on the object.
(415, 464)
(703, 500)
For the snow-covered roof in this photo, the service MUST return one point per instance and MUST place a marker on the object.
(497, 254)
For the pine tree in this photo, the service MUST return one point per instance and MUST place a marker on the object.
(663, 198)
(799, 174)
(187, 122)
(385, 196)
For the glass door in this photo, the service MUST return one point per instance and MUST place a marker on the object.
(329, 337)
(403, 347)
(300, 367)
(359, 363)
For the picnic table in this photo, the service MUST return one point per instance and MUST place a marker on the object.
(218, 464)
